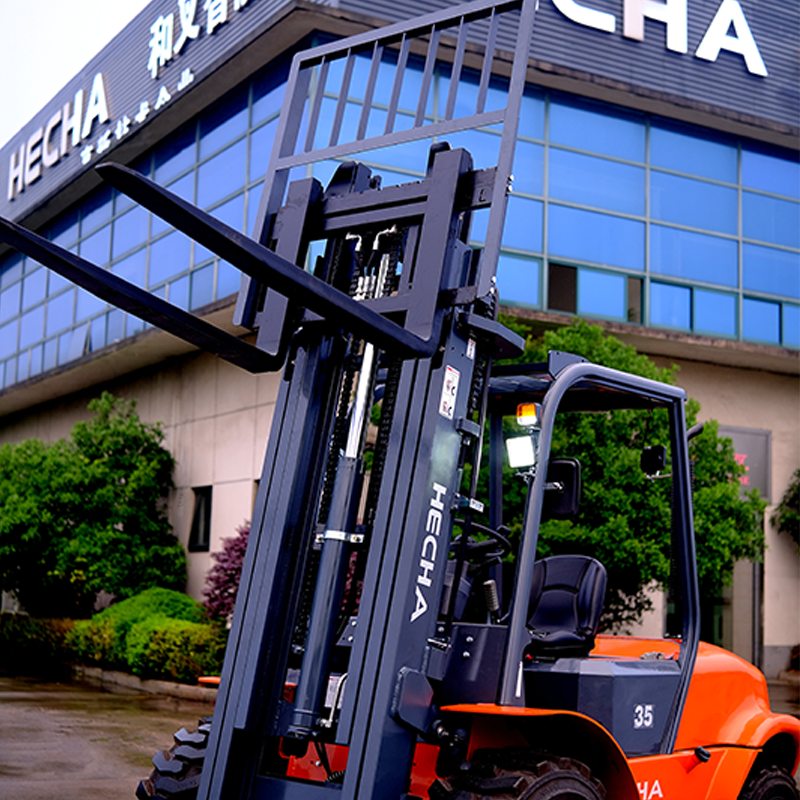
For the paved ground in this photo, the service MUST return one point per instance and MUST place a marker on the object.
(71, 742)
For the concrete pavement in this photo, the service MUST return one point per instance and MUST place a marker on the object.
(71, 741)
(74, 741)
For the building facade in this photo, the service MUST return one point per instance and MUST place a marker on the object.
(656, 191)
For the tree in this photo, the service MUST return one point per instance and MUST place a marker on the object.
(787, 515)
(625, 518)
(222, 581)
(88, 514)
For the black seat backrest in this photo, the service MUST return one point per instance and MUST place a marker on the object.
(566, 603)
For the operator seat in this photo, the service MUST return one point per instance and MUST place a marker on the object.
(567, 596)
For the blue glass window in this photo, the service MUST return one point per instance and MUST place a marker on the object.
(224, 123)
(602, 294)
(97, 337)
(714, 313)
(130, 230)
(765, 269)
(228, 279)
(202, 287)
(689, 153)
(761, 320)
(771, 173)
(231, 213)
(599, 238)
(36, 360)
(791, 325)
(64, 231)
(261, 149)
(523, 225)
(96, 210)
(8, 338)
(695, 256)
(10, 269)
(268, 92)
(73, 344)
(97, 247)
(87, 305)
(179, 293)
(596, 182)
(60, 312)
(771, 220)
(685, 201)
(133, 267)
(222, 175)
(50, 354)
(621, 136)
(518, 281)
(115, 329)
(9, 301)
(175, 155)
(529, 168)
(253, 199)
(670, 306)
(168, 256)
(34, 285)
(531, 115)
(31, 327)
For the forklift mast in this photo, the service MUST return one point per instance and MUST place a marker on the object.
(357, 293)
(403, 252)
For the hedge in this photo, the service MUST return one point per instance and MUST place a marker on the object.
(175, 650)
(35, 647)
(102, 640)
(156, 634)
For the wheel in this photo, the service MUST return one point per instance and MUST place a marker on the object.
(519, 773)
(770, 783)
(177, 772)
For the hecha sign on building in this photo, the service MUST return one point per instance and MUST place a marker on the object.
(77, 124)
(725, 54)
(729, 29)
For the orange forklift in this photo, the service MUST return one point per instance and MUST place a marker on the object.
(392, 640)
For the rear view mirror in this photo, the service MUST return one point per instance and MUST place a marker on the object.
(562, 495)
(653, 460)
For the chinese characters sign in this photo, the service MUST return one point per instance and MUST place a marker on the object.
(164, 45)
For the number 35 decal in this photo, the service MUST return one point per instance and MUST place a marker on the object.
(643, 716)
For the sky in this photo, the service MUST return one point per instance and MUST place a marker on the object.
(47, 42)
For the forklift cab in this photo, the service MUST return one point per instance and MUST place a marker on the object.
(549, 618)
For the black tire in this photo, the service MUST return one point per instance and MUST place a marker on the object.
(178, 770)
(770, 783)
(521, 774)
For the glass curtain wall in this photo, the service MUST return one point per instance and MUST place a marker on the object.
(613, 215)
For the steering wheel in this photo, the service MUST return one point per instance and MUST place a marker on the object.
(486, 553)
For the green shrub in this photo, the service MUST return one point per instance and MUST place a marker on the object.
(175, 650)
(102, 640)
(36, 647)
(97, 643)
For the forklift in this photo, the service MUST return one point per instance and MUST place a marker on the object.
(391, 638)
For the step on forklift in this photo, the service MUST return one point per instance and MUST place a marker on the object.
(391, 638)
